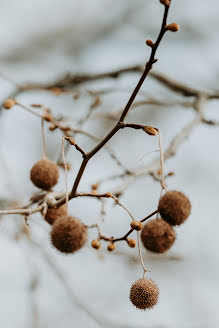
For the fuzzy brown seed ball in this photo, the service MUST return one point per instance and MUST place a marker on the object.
(144, 294)
(9, 103)
(174, 27)
(68, 234)
(53, 214)
(157, 236)
(111, 247)
(136, 225)
(44, 174)
(95, 244)
(131, 242)
(174, 207)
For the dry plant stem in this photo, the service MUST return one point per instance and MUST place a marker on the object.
(163, 183)
(140, 255)
(29, 110)
(43, 138)
(27, 211)
(147, 69)
(66, 172)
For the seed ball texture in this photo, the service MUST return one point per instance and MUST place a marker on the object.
(44, 174)
(53, 214)
(174, 207)
(68, 234)
(157, 236)
(144, 294)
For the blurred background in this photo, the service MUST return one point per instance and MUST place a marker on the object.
(42, 41)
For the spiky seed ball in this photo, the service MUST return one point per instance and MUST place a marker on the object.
(53, 214)
(44, 174)
(68, 234)
(96, 244)
(144, 294)
(9, 103)
(174, 207)
(111, 247)
(157, 236)
(136, 225)
(131, 242)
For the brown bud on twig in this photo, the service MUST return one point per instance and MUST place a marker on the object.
(9, 103)
(136, 225)
(150, 130)
(57, 91)
(94, 186)
(96, 244)
(72, 141)
(174, 207)
(48, 117)
(53, 127)
(149, 43)
(108, 194)
(165, 2)
(111, 247)
(174, 27)
(44, 174)
(144, 294)
(62, 165)
(131, 242)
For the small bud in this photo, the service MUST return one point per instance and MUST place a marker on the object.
(131, 242)
(136, 225)
(76, 95)
(48, 117)
(52, 127)
(94, 186)
(71, 141)
(150, 130)
(95, 244)
(108, 194)
(165, 2)
(111, 247)
(171, 173)
(174, 27)
(9, 103)
(149, 43)
(57, 91)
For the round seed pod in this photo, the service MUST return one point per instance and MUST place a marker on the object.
(68, 234)
(53, 214)
(144, 294)
(174, 207)
(157, 236)
(44, 174)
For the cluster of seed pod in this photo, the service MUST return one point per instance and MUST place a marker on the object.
(158, 236)
(69, 234)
